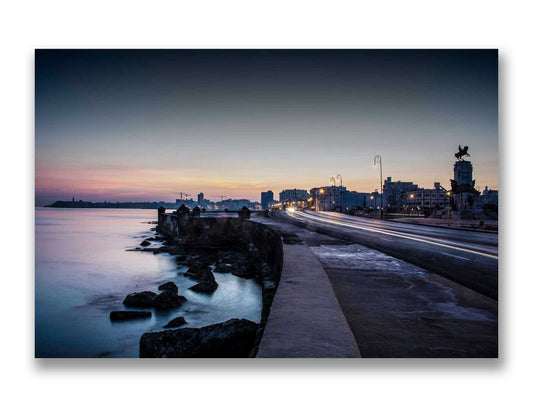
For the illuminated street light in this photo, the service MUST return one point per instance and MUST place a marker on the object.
(316, 197)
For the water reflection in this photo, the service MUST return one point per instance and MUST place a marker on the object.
(83, 272)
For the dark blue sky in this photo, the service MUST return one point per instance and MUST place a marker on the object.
(145, 124)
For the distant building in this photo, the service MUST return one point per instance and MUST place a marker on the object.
(266, 198)
(426, 200)
(293, 195)
(489, 196)
(187, 202)
(201, 199)
(358, 200)
(234, 204)
(396, 194)
(330, 199)
(488, 203)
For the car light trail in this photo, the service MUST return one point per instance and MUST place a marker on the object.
(306, 216)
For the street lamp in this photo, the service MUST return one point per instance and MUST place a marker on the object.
(377, 159)
(316, 197)
(339, 176)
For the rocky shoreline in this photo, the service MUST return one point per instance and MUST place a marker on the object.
(232, 338)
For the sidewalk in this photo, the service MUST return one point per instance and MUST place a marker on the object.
(305, 320)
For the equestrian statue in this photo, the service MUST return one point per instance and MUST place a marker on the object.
(462, 152)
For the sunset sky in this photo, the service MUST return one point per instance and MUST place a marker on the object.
(144, 125)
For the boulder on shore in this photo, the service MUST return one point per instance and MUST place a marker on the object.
(169, 286)
(144, 299)
(199, 272)
(230, 339)
(190, 259)
(168, 300)
(126, 315)
(205, 286)
(176, 322)
(145, 243)
(224, 268)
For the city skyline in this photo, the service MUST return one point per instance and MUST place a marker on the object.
(143, 125)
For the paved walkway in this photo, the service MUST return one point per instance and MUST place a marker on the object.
(305, 320)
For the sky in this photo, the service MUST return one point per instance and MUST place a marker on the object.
(145, 125)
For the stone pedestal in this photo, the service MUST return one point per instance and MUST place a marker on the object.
(462, 173)
(464, 192)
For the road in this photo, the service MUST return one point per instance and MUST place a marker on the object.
(468, 257)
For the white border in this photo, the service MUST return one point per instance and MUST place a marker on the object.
(254, 24)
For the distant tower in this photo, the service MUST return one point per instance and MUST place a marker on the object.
(73, 199)
(266, 198)
(200, 199)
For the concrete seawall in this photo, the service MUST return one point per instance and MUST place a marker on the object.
(230, 233)
(301, 316)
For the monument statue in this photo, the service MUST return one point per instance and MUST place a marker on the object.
(461, 153)
(463, 187)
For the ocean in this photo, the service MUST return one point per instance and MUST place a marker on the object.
(83, 271)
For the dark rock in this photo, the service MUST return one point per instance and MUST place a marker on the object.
(168, 300)
(247, 265)
(176, 322)
(244, 269)
(154, 250)
(231, 339)
(205, 286)
(191, 259)
(144, 299)
(145, 243)
(181, 258)
(199, 272)
(224, 268)
(125, 315)
(169, 286)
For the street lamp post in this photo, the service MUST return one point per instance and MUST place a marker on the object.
(333, 181)
(321, 190)
(340, 176)
(377, 159)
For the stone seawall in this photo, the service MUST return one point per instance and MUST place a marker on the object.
(188, 229)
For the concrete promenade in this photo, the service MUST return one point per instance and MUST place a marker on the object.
(305, 320)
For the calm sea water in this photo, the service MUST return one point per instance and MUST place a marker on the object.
(83, 272)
